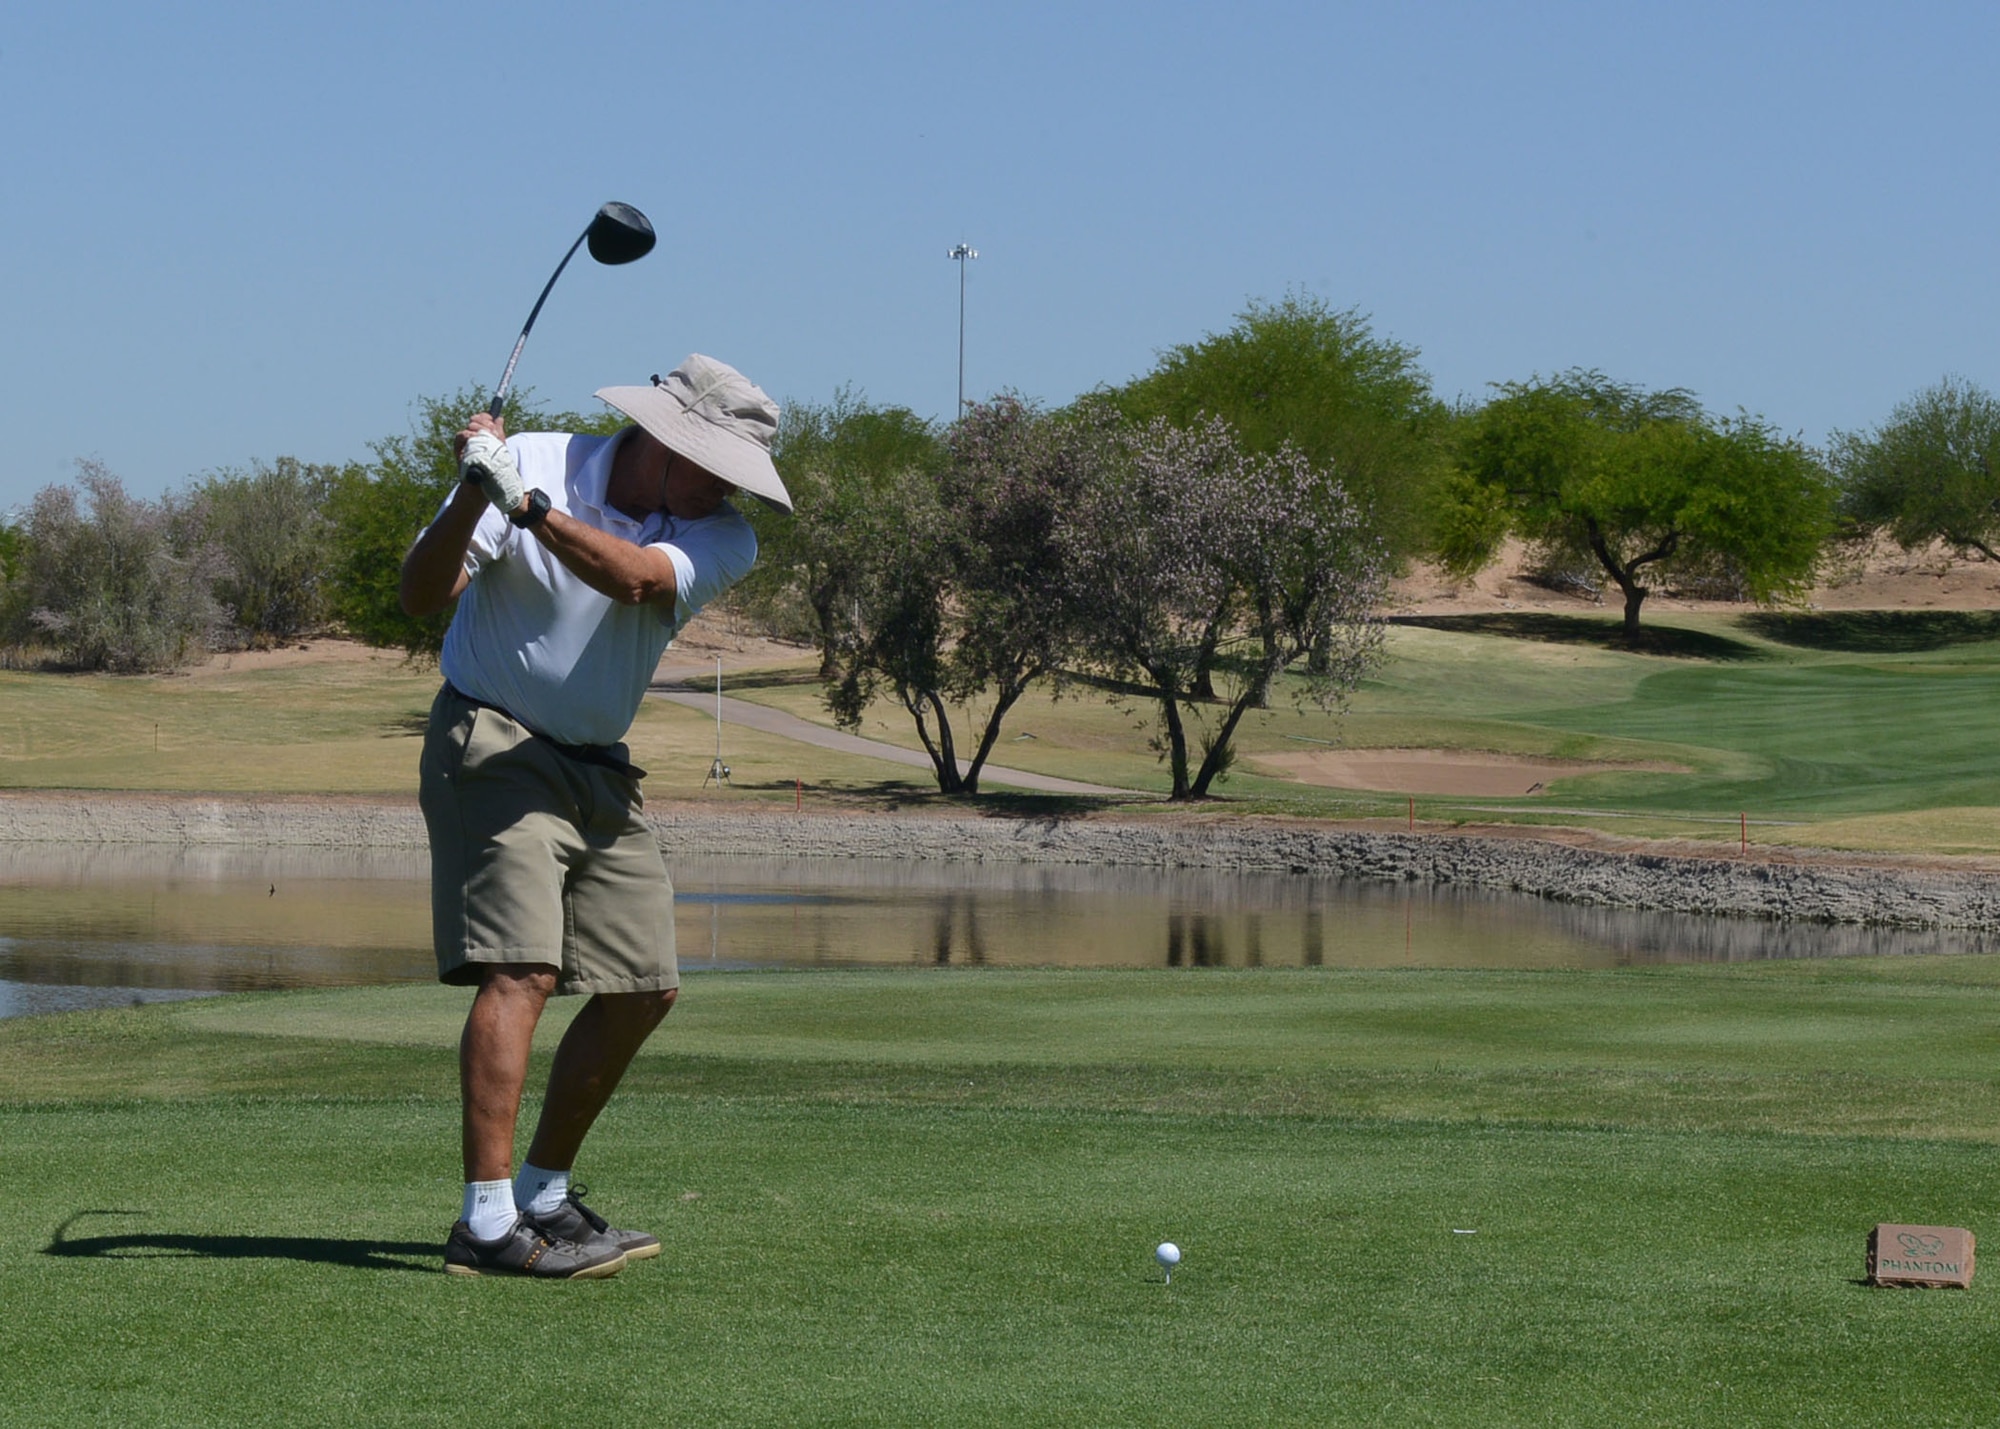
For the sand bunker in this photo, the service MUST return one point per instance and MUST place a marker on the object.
(1433, 771)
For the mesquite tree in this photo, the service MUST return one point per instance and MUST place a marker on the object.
(1166, 534)
(956, 597)
(840, 461)
(1643, 483)
(1304, 374)
(888, 631)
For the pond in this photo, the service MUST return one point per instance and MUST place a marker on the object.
(95, 925)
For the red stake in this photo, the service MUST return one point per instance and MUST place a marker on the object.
(1745, 817)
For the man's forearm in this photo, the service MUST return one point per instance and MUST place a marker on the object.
(434, 569)
(629, 574)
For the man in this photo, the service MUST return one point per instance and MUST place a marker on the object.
(574, 560)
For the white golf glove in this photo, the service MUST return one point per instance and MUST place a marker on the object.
(488, 462)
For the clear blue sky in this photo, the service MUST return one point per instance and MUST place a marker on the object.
(235, 231)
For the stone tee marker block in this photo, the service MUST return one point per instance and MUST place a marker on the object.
(1920, 1255)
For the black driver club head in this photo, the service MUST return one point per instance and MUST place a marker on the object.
(619, 234)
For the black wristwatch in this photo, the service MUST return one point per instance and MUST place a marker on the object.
(534, 513)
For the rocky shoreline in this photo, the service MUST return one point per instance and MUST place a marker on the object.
(1822, 889)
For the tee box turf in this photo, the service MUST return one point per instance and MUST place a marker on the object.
(1925, 1256)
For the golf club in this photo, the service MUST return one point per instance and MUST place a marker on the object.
(618, 233)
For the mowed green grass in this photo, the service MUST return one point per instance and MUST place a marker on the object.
(1866, 723)
(932, 1198)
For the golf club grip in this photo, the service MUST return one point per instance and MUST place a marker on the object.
(507, 377)
(499, 401)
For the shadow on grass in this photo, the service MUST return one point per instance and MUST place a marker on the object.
(1018, 805)
(743, 680)
(1009, 804)
(1607, 634)
(1875, 631)
(1225, 665)
(310, 1250)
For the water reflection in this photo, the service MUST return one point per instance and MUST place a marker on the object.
(862, 912)
(955, 928)
(94, 924)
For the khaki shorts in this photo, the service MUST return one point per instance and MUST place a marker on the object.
(537, 857)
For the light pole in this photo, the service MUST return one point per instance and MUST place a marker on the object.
(962, 252)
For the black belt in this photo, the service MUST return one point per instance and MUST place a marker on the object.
(598, 754)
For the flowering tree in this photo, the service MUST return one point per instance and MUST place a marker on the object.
(1162, 539)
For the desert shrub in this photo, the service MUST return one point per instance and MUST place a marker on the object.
(1929, 473)
(1564, 571)
(109, 581)
(1708, 575)
(271, 526)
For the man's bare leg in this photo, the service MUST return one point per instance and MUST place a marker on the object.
(493, 1064)
(492, 1237)
(594, 1054)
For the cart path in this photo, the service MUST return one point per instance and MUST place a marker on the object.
(770, 721)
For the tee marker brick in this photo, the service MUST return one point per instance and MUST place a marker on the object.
(1926, 1256)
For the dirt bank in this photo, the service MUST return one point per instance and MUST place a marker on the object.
(1579, 869)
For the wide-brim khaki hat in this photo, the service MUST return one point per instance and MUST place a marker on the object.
(715, 417)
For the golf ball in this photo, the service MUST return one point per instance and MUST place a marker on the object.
(1168, 1254)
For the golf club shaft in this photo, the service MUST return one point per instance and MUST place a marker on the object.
(507, 377)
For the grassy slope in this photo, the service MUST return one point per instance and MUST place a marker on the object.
(1875, 731)
(1869, 737)
(1471, 689)
(327, 729)
(923, 1198)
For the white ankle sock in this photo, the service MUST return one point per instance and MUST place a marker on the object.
(538, 1191)
(489, 1208)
